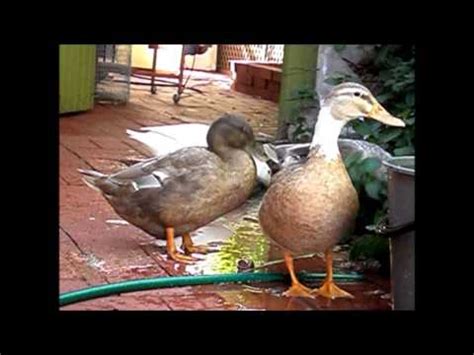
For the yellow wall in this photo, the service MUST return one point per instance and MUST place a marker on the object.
(206, 61)
(169, 56)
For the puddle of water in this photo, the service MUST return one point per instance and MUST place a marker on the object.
(117, 221)
(214, 234)
(374, 293)
(94, 261)
(100, 265)
(242, 241)
(237, 237)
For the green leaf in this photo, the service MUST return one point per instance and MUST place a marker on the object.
(301, 120)
(352, 158)
(384, 97)
(373, 188)
(382, 55)
(404, 151)
(305, 137)
(334, 81)
(370, 247)
(370, 164)
(355, 175)
(389, 135)
(375, 126)
(409, 121)
(362, 128)
(379, 215)
(389, 82)
(410, 99)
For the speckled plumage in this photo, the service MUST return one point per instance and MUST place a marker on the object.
(309, 206)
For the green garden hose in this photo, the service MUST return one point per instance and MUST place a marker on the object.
(177, 281)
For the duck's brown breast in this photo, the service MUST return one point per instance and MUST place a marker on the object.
(308, 209)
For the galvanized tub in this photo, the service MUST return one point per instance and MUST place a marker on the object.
(401, 199)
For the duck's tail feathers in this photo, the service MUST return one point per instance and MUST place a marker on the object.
(271, 153)
(91, 178)
(130, 161)
(132, 133)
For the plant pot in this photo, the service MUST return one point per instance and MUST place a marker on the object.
(401, 199)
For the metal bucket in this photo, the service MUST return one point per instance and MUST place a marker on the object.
(401, 199)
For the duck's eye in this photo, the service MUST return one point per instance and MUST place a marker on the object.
(357, 94)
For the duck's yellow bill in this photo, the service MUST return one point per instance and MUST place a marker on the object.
(380, 114)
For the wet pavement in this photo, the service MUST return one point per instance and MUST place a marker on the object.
(97, 247)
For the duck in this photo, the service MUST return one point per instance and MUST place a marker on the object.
(162, 140)
(310, 206)
(178, 193)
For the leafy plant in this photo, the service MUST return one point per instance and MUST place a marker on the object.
(362, 172)
(390, 76)
(339, 78)
(306, 98)
(372, 189)
(372, 247)
(393, 69)
(302, 132)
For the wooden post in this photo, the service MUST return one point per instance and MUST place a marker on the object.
(298, 72)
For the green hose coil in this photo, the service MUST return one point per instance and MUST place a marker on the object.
(89, 293)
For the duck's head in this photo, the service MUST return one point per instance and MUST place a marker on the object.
(349, 101)
(232, 132)
(229, 132)
(344, 103)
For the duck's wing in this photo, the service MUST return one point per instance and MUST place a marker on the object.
(154, 172)
(271, 153)
(291, 156)
(367, 149)
(286, 156)
(126, 181)
(172, 164)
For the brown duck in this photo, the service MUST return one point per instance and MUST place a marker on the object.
(187, 189)
(309, 207)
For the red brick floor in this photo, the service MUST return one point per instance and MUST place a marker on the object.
(96, 249)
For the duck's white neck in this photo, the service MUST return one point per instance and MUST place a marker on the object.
(326, 134)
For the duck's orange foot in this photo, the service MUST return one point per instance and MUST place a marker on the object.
(198, 249)
(189, 247)
(330, 290)
(181, 258)
(298, 290)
